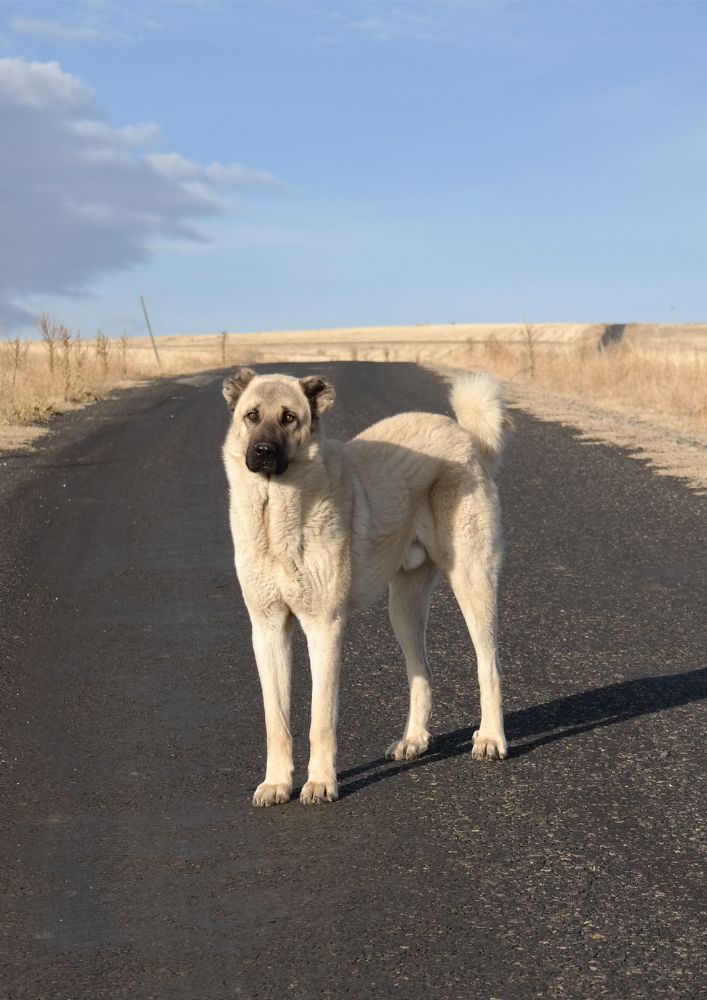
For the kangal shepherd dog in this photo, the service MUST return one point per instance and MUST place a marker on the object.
(322, 527)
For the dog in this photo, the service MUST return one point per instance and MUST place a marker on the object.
(322, 527)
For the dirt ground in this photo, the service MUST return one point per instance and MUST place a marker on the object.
(665, 450)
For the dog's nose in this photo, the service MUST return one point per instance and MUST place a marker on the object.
(264, 448)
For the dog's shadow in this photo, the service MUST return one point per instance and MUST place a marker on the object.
(530, 728)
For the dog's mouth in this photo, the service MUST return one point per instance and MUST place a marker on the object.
(266, 457)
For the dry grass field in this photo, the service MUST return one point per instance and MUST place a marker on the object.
(62, 370)
(659, 373)
(655, 373)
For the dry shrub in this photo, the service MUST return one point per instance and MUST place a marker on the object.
(103, 352)
(530, 339)
(123, 345)
(64, 336)
(14, 357)
(49, 333)
(80, 354)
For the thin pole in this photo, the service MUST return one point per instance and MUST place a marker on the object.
(149, 327)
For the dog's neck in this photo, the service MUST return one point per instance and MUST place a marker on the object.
(279, 508)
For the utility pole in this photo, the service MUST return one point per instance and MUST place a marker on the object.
(149, 327)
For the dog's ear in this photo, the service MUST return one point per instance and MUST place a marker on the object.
(234, 385)
(320, 394)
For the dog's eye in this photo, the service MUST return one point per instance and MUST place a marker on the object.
(289, 418)
(252, 416)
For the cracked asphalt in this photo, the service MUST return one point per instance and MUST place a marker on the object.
(132, 736)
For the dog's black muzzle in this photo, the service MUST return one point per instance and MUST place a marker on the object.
(266, 456)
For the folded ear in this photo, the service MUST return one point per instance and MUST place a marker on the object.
(319, 392)
(234, 385)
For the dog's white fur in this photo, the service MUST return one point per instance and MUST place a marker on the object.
(411, 496)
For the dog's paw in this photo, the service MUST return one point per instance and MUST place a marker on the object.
(408, 748)
(489, 747)
(271, 795)
(315, 792)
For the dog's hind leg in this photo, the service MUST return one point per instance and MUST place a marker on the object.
(474, 587)
(271, 644)
(408, 605)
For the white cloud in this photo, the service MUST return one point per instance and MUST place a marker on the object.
(141, 135)
(80, 198)
(240, 176)
(174, 166)
(41, 87)
(178, 167)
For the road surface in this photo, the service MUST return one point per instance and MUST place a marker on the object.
(133, 736)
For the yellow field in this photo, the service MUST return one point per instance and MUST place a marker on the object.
(652, 372)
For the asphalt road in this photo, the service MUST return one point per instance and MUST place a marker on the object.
(133, 737)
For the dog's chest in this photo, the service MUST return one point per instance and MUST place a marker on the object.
(309, 579)
(294, 555)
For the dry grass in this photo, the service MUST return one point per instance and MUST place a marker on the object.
(666, 387)
(62, 371)
(655, 373)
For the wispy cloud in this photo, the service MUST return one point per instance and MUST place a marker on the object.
(59, 31)
(441, 22)
(391, 24)
(142, 135)
(177, 167)
(80, 198)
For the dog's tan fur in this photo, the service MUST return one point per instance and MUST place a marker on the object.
(411, 496)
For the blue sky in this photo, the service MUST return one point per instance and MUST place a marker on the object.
(271, 165)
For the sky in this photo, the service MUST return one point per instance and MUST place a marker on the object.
(274, 165)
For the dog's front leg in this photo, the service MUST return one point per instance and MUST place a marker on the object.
(272, 646)
(324, 638)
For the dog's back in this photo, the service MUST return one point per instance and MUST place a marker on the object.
(481, 414)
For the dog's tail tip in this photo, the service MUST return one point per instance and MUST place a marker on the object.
(480, 409)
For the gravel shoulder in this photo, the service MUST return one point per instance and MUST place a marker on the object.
(667, 452)
(663, 449)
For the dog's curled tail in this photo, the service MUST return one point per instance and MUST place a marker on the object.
(481, 410)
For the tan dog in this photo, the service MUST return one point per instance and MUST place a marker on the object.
(321, 528)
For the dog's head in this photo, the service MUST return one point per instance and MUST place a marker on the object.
(274, 416)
